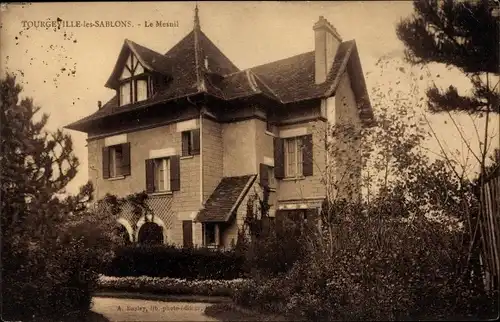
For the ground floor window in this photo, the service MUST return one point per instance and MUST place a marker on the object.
(150, 233)
(297, 219)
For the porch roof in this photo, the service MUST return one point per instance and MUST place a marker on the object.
(225, 199)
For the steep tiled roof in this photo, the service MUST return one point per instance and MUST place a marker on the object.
(185, 64)
(292, 79)
(225, 199)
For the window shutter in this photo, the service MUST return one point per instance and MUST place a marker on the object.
(279, 158)
(264, 175)
(150, 175)
(307, 155)
(175, 173)
(185, 143)
(125, 171)
(105, 162)
(196, 141)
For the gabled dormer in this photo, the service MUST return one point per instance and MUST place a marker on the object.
(135, 83)
(139, 74)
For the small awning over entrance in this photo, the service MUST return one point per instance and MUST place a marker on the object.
(225, 199)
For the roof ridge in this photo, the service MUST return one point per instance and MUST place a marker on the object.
(147, 48)
(251, 81)
(267, 86)
(283, 59)
(346, 58)
(220, 51)
(132, 46)
(272, 62)
(243, 193)
(199, 82)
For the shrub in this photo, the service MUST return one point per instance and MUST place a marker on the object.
(374, 268)
(53, 277)
(168, 285)
(267, 295)
(269, 248)
(169, 261)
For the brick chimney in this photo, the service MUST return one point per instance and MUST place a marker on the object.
(326, 43)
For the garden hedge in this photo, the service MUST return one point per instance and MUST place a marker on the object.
(167, 285)
(169, 261)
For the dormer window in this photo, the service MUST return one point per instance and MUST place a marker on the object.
(135, 84)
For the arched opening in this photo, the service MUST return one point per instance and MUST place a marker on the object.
(122, 233)
(150, 233)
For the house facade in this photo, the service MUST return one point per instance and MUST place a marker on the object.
(201, 136)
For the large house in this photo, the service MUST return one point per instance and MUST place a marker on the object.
(201, 136)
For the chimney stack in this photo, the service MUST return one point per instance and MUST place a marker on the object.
(326, 43)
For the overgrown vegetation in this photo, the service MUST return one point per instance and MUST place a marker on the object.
(52, 246)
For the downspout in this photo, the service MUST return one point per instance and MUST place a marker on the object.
(201, 148)
(203, 242)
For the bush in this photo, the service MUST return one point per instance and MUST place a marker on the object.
(267, 295)
(270, 248)
(166, 285)
(169, 261)
(274, 253)
(374, 269)
(53, 277)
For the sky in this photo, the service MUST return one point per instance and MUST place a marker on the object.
(64, 70)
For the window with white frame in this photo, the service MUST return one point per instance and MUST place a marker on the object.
(162, 174)
(135, 84)
(115, 161)
(293, 157)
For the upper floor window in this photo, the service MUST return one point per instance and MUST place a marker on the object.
(293, 157)
(135, 84)
(162, 175)
(191, 142)
(116, 160)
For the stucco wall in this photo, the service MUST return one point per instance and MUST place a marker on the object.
(239, 142)
(212, 149)
(348, 163)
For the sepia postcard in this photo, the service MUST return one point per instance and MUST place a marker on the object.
(227, 153)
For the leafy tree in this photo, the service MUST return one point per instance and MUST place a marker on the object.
(463, 34)
(51, 245)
